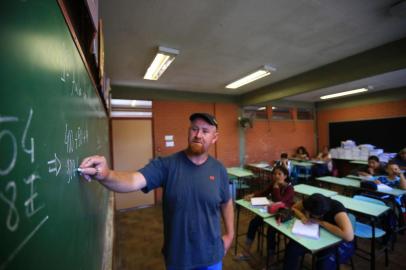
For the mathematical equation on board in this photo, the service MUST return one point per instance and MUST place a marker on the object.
(69, 75)
(20, 144)
(74, 138)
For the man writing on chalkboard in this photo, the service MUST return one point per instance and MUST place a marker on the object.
(195, 195)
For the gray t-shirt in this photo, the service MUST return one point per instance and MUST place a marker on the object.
(192, 198)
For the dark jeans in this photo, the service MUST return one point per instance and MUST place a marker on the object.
(326, 259)
(255, 223)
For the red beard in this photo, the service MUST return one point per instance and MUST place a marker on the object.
(196, 148)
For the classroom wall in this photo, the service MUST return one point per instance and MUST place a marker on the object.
(172, 118)
(379, 110)
(266, 140)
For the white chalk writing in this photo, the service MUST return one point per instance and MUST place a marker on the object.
(23, 140)
(30, 208)
(12, 217)
(54, 165)
(13, 159)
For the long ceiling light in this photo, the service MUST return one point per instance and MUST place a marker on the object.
(162, 60)
(355, 91)
(256, 75)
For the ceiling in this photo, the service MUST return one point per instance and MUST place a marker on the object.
(220, 41)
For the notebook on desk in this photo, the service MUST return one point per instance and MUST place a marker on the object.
(383, 187)
(259, 201)
(311, 230)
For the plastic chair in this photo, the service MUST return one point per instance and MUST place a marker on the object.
(364, 231)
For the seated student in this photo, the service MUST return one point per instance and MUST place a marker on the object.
(395, 177)
(325, 168)
(284, 161)
(301, 153)
(373, 168)
(400, 159)
(332, 216)
(281, 191)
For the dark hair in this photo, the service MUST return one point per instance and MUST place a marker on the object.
(391, 162)
(303, 150)
(284, 155)
(375, 158)
(316, 204)
(284, 170)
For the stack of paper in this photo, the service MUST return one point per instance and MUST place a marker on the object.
(311, 230)
(259, 201)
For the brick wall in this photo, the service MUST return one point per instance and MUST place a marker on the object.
(227, 147)
(268, 139)
(172, 118)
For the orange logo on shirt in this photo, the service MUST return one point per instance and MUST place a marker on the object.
(211, 177)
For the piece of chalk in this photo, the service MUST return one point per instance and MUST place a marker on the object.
(79, 169)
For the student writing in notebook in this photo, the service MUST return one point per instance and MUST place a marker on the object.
(332, 216)
(280, 190)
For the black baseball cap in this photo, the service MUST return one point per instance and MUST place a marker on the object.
(206, 117)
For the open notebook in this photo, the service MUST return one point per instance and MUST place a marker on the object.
(383, 187)
(311, 230)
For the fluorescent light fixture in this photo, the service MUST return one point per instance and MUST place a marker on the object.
(131, 103)
(131, 114)
(261, 108)
(274, 108)
(355, 91)
(162, 60)
(256, 75)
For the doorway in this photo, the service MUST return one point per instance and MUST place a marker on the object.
(132, 150)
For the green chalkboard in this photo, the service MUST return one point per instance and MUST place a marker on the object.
(50, 118)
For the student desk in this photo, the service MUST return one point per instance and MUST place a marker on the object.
(306, 164)
(359, 162)
(345, 166)
(263, 213)
(239, 174)
(346, 182)
(326, 239)
(367, 209)
(357, 177)
(309, 190)
(263, 169)
(354, 183)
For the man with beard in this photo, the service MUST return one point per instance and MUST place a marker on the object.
(195, 196)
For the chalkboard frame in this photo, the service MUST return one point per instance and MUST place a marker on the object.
(91, 68)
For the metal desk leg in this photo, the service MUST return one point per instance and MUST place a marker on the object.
(373, 246)
(236, 229)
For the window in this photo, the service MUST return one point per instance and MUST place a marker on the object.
(257, 112)
(131, 108)
(305, 114)
(281, 113)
